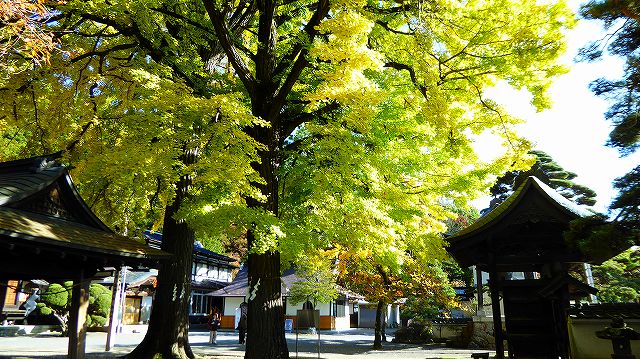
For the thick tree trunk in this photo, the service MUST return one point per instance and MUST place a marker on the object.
(268, 92)
(168, 331)
(265, 319)
(265, 331)
(377, 339)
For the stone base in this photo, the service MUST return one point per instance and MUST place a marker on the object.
(482, 337)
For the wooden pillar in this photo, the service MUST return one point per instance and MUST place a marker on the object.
(78, 316)
(3, 295)
(494, 286)
(479, 288)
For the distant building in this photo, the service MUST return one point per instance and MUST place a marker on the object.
(210, 271)
(334, 315)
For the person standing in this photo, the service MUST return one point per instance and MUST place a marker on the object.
(242, 324)
(213, 324)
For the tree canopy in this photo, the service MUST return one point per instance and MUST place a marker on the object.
(618, 279)
(24, 38)
(302, 125)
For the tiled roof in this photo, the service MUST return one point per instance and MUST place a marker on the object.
(240, 284)
(606, 311)
(40, 229)
(22, 178)
(16, 186)
(155, 240)
(28, 178)
(237, 288)
(578, 210)
(510, 203)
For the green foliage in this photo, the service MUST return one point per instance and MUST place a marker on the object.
(318, 285)
(623, 18)
(57, 298)
(96, 321)
(421, 308)
(431, 295)
(44, 310)
(628, 201)
(618, 279)
(99, 305)
(599, 239)
(419, 331)
(455, 273)
(462, 218)
(56, 301)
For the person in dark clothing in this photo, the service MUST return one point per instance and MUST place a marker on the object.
(242, 323)
(213, 324)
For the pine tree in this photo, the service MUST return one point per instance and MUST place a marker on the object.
(622, 19)
(549, 172)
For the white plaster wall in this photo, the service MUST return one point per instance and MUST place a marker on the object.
(230, 305)
(293, 309)
(586, 345)
(325, 308)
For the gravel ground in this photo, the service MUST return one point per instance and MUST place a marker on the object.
(352, 343)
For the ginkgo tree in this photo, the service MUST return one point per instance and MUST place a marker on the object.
(362, 273)
(301, 125)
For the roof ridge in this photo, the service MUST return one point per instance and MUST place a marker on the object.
(36, 163)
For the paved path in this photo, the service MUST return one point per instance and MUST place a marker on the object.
(353, 343)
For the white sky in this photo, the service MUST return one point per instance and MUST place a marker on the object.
(574, 130)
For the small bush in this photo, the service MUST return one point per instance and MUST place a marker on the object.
(99, 305)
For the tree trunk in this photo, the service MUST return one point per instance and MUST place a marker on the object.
(265, 317)
(64, 323)
(377, 339)
(168, 331)
(265, 330)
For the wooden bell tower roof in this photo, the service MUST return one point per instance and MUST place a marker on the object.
(522, 233)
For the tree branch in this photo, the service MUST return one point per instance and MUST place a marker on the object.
(185, 19)
(301, 61)
(412, 74)
(385, 25)
(103, 53)
(292, 123)
(224, 37)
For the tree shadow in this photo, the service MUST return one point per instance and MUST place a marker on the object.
(346, 346)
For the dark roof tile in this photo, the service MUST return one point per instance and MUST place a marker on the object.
(36, 228)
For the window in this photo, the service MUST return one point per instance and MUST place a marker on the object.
(225, 275)
(200, 303)
(339, 308)
(214, 272)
